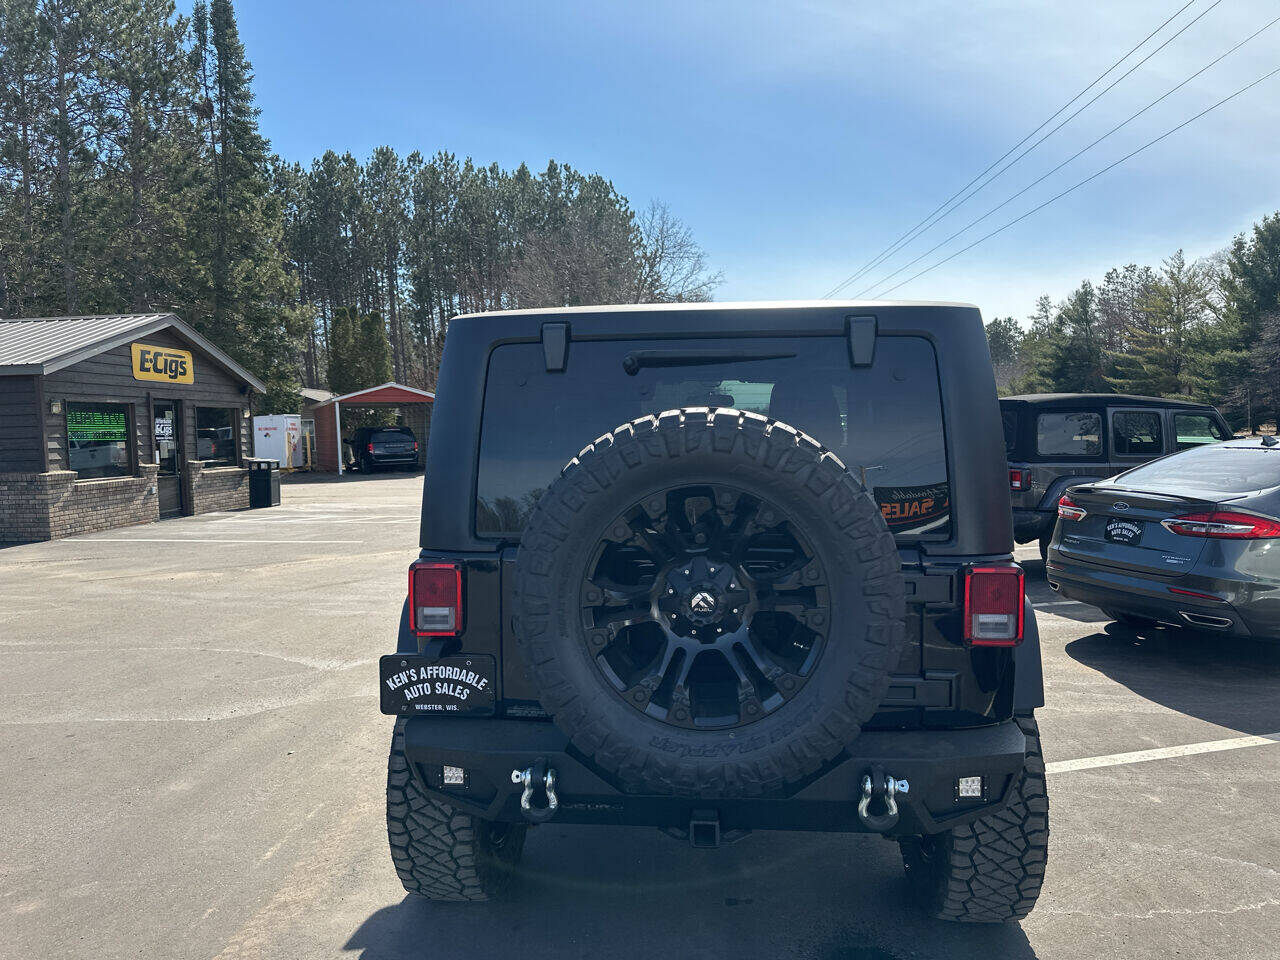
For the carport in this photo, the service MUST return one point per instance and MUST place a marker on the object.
(414, 404)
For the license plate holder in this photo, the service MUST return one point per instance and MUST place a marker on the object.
(411, 685)
(1127, 532)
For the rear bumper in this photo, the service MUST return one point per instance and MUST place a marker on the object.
(1121, 592)
(930, 760)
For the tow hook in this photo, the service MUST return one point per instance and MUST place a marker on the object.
(538, 776)
(880, 786)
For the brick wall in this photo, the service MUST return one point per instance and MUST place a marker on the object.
(216, 488)
(44, 506)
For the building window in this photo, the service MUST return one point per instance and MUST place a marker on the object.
(216, 436)
(98, 440)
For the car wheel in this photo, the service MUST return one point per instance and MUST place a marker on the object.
(439, 852)
(1044, 546)
(991, 870)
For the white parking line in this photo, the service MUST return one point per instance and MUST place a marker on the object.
(191, 540)
(1162, 753)
(1057, 603)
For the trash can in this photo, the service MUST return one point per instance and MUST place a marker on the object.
(264, 483)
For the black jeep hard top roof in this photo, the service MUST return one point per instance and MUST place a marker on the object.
(982, 523)
(1112, 399)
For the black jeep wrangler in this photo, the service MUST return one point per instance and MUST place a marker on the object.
(714, 568)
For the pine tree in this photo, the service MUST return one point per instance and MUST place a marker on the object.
(151, 176)
(1251, 289)
(23, 103)
(1165, 356)
(250, 305)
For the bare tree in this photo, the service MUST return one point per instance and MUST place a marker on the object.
(671, 267)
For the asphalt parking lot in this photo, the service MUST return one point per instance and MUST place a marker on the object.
(194, 767)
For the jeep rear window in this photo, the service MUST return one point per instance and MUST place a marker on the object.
(884, 421)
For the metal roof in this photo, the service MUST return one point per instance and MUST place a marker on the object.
(43, 345)
(390, 387)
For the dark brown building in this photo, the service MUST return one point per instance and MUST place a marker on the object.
(108, 421)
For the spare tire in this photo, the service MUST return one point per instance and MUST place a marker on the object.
(709, 603)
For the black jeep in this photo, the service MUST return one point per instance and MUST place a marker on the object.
(713, 568)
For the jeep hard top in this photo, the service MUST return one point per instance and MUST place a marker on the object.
(713, 568)
(1056, 440)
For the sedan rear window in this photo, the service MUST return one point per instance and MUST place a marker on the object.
(884, 421)
(1209, 470)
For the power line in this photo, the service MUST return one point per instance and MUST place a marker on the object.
(982, 186)
(1078, 153)
(888, 251)
(1093, 176)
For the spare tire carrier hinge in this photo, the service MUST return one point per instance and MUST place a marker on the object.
(539, 776)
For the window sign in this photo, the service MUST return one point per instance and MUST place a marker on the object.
(98, 439)
(164, 428)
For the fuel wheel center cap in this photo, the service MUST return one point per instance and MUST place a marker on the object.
(703, 603)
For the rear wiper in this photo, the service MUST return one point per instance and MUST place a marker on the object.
(636, 359)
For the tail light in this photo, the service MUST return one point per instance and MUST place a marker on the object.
(435, 599)
(415, 446)
(371, 446)
(1068, 509)
(1223, 525)
(1017, 480)
(993, 605)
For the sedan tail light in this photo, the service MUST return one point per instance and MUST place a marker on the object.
(1068, 509)
(993, 605)
(435, 599)
(1223, 525)
(1017, 480)
(371, 446)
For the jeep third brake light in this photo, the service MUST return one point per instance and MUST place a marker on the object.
(435, 599)
(993, 605)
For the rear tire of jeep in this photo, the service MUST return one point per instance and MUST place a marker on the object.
(1044, 546)
(439, 852)
(706, 486)
(991, 870)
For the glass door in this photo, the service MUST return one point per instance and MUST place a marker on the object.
(168, 439)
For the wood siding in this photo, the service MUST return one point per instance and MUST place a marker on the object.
(20, 425)
(108, 378)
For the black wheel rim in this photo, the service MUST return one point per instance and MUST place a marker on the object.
(705, 606)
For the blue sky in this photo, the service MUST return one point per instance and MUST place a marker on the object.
(797, 140)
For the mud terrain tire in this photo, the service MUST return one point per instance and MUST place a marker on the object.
(439, 852)
(990, 870)
(862, 616)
